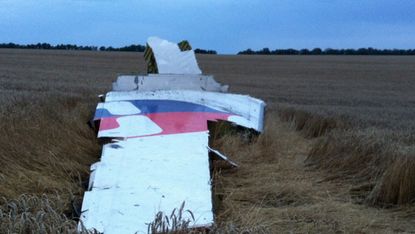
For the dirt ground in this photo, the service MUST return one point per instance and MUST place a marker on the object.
(47, 97)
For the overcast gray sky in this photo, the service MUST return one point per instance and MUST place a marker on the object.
(227, 26)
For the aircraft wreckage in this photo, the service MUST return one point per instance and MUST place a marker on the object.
(158, 153)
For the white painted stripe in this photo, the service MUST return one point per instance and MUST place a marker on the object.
(120, 108)
(154, 82)
(134, 125)
(138, 177)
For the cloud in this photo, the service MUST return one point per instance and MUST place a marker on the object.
(224, 25)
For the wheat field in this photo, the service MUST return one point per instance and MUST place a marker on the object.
(338, 154)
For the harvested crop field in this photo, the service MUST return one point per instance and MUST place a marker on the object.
(338, 154)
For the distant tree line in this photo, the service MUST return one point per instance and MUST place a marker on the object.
(264, 51)
(202, 51)
(329, 51)
(47, 46)
(135, 48)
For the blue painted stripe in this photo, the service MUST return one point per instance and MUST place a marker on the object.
(160, 106)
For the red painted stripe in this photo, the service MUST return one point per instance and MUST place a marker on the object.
(173, 122)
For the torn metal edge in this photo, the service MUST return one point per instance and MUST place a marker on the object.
(222, 156)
